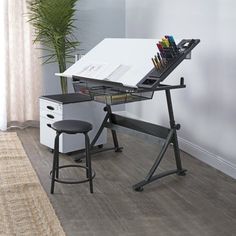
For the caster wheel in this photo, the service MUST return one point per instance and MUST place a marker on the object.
(182, 173)
(100, 146)
(78, 160)
(51, 150)
(139, 189)
(118, 150)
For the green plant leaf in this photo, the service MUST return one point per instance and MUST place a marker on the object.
(53, 21)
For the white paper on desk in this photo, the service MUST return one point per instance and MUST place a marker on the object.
(117, 74)
(101, 71)
(96, 70)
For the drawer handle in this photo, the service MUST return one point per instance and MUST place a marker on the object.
(49, 125)
(50, 108)
(50, 116)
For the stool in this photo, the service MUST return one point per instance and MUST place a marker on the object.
(71, 127)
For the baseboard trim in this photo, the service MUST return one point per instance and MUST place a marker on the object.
(209, 158)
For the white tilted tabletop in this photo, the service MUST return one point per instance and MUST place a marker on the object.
(126, 61)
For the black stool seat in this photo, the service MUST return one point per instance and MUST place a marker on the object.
(72, 126)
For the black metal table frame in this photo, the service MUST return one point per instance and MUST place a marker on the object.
(150, 83)
(114, 122)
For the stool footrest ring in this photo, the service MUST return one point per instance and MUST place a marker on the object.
(73, 182)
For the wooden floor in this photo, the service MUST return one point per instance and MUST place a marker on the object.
(201, 203)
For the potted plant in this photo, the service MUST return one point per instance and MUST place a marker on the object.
(53, 21)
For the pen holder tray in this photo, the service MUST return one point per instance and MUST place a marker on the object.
(154, 77)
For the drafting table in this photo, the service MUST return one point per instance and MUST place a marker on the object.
(118, 71)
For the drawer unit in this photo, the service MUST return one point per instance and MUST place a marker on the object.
(70, 106)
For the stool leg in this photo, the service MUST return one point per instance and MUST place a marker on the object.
(57, 164)
(55, 161)
(86, 157)
(88, 162)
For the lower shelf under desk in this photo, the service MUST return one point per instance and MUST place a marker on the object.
(109, 95)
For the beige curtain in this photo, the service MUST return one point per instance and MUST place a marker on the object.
(22, 66)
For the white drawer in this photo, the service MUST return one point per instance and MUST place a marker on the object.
(47, 134)
(51, 116)
(50, 106)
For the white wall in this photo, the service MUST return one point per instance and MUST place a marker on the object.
(206, 108)
(96, 20)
